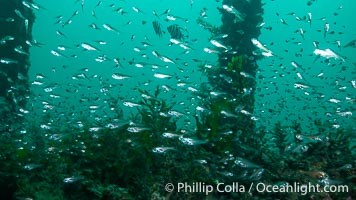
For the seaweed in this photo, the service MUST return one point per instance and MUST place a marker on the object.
(111, 163)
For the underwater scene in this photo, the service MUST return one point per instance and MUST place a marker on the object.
(177, 99)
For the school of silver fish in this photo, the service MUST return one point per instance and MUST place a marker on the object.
(143, 47)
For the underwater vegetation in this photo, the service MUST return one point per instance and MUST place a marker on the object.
(112, 163)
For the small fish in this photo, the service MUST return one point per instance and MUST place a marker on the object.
(40, 76)
(170, 135)
(98, 4)
(300, 86)
(245, 112)
(32, 166)
(344, 114)
(118, 76)
(173, 112)
(310, 18)
(241, 162)
(61, 34)
(26, 25)
(311, 138)
(56, 53)
(37, 83)
(218, 44)
(181, 44)
(69, 21)
(32, 6)
(101, 59)
(334, 100)
(145, 44)
(93, 14)
(173, 18)
(296, 65)
(137, 49)
(88, 47)
(72, 179)
(259, 45)
(327, 53)
(26, 21)
(120, 11)
(247, 75)
(165, 12)
(110, 28)
(139, 65)
(163, 58)
(19, 49)
(80, 76)
(191, 141)
(283, 21)
(8, 61)
(353, 83)
(162, 149)
(228, 114)
(94, 26)
(326, 29)
(159, 75)
(232, 10)
(82, 4)
(131, 104)
(208, 50)
(75, 13)
(175, 41)
(316, 44)
(58, 21)
(301, 31)
(18, 13)
(185, 47)
(137, 10)
(6, 38)
(155, 14)
(137, 129)
(117, 62)
(351, 44)
(338, 42)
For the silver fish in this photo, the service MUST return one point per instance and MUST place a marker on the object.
(118, 76)
(5, 39)
(327, 53)
(159, 75)
(218, 44)
(110, 28)
(310, 18)
(326, 29)
(8, 61)
(19, 49)
(163, 58)
(162, 149)
(258, 44)
(88, 47)
(191, 141)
